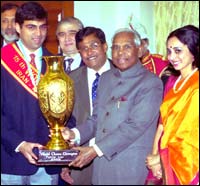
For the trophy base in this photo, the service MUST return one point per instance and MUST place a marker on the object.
(56, 157)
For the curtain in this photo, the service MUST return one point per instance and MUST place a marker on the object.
(169, 15)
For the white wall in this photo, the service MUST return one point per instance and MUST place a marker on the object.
(111, 15)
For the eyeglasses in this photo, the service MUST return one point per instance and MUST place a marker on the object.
(116, 48)
(92, 46)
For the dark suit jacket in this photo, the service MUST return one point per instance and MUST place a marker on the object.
(1, 41)
(21, 120)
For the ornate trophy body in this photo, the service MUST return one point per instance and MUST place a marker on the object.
(56, 100)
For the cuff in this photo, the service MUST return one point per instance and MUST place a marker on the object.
(77, 138)
(17, 149)
(98, 151)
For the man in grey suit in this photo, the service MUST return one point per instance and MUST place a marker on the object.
(92, 46)
(124, 118)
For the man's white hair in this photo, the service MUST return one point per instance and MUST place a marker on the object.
(137, 38)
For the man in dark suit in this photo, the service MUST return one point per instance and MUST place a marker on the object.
(92, 46)
(124, 118)
(23, 125)
(65, 32)
(8, 31)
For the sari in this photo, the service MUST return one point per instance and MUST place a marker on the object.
(179, 148)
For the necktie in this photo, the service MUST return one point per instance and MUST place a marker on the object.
(69, 61)
(94, 87)
(32, 62)
(33, 74)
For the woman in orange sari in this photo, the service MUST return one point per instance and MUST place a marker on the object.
(175, 153)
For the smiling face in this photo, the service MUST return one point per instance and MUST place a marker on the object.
(32, 33)
(179, 55)
(93, 52)
(66, 37)
(124, 51)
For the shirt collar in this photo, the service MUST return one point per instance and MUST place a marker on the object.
(26, 52)
(104, 68)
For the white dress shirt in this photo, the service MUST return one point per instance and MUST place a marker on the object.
(91, 77)
(76, 63)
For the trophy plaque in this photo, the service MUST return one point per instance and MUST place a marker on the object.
(56, 100)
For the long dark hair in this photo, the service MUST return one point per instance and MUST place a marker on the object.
(189, 35)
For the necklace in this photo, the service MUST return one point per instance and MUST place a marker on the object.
(185, 80)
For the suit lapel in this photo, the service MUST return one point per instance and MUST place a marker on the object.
(84, 89)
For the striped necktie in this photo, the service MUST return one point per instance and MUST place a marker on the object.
(94, 87)
(32, 62)
(69, 62)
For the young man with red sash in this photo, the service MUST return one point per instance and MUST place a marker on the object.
(24, 128)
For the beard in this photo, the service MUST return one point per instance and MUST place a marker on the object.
(9, 35)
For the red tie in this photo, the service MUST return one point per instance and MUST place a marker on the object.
(32, 62)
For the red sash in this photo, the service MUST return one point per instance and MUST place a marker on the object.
(13, 61)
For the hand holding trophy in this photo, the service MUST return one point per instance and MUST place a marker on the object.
(56, 100)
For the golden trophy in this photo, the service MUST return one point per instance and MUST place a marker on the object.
(56, 100)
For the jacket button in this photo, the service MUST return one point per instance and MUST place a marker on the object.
(104, 130)
(107, 113)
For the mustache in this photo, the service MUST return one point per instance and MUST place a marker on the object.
(10, 37)
(10, 31)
